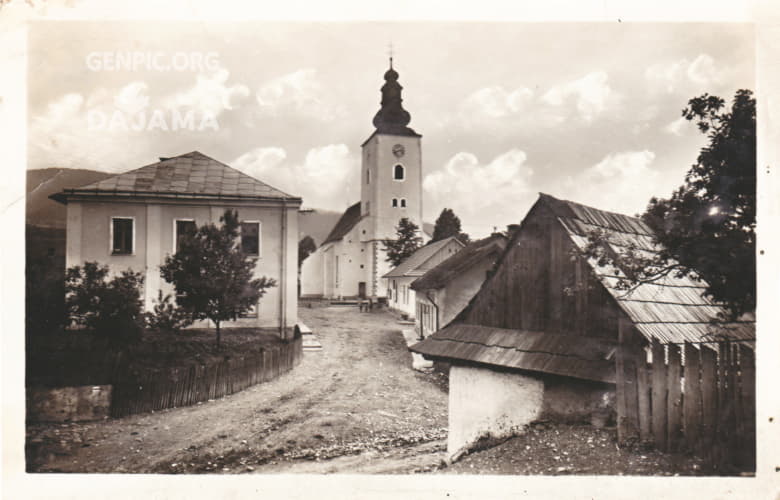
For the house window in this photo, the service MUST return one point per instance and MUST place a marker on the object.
(395, 202)
(368, 177)
(250, 237)
(122, 237)
(398, 172)
(403, 202)
(182, 228)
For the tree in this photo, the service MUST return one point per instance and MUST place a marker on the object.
(306, 247)
(108, 307)
(407, 242)
(448, 224)
(707, 228)
(212, 275)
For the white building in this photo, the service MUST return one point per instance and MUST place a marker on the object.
(444, 291)
(400, 295)
(351, 261)
(135, 219)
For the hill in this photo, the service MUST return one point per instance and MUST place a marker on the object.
(43, 212)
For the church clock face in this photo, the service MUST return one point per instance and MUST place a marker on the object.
(399, 150)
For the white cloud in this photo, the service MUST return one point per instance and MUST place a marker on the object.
(590, 94)
(484, 194)
(494, 106)
(621, 182)
(130, 99)
(701, 72)
(323, 179)
(677, 127)
(496, 102)
(260, 162)
(300, 91)
(211, 94)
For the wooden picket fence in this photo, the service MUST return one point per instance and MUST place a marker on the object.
(190, 385)
(697, 398)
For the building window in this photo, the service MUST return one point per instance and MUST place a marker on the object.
(122, 235)
(403, 202)
(398, 172)
(181, 229)
(368, 208)
(368, 177)
(250, 237)
(395, 202)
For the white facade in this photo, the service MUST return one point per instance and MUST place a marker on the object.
(505, 404)
(448, 301)
(89, 238)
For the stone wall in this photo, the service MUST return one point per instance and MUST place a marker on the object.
(72, 404)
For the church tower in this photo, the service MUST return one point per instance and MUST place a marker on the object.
(391, 169)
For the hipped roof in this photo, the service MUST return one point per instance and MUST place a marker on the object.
(191, 175)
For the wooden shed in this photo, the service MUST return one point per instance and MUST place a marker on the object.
(546, 331)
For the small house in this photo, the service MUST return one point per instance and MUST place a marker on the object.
(400, 295)
(539, 339)
(443, 291)
(135, 219)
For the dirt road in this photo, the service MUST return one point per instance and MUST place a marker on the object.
(354, 406)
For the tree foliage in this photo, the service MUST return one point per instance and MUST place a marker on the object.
(212, 276)
(306, 247)
(167, 316)
(407, 242)
(448, 224)
(707, 227)
(106, 306)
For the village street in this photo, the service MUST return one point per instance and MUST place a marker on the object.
(354, 406)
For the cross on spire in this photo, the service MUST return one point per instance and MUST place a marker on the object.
(390, 53)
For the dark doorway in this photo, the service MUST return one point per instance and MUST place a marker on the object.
(362, 289)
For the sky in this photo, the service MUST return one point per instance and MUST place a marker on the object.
(589, 112)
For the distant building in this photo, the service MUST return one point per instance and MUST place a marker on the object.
(443, 291)
(400, 295)
(134, 220)
(351, 260)
(539, 338)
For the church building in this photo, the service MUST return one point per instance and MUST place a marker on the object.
(351, 261)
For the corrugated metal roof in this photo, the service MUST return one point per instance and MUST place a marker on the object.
(672, 309)
(190, 174)
(567, 355)
(411, 266)
(473, 253)
(346, 222)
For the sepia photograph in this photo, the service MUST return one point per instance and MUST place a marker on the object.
(421, 249)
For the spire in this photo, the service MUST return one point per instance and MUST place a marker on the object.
(392, 118)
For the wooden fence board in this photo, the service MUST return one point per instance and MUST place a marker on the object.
(674, 399)
(709, 403)
(692, 398)
(643, 395)
(659, 395)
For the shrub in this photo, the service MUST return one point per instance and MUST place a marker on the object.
(107, 307)
(167, 316)
(44, 298)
